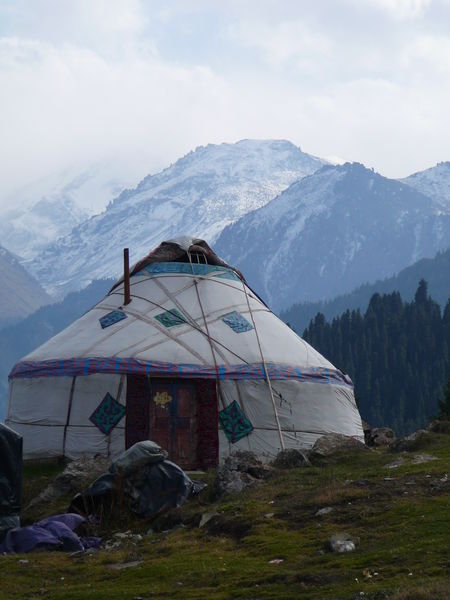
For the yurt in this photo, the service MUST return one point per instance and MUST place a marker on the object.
(181, 351)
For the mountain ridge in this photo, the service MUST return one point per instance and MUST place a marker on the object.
(197, 195)
(330, 232)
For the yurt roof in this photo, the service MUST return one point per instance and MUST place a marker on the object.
(186, 318)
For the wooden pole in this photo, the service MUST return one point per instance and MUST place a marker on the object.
(126, 277)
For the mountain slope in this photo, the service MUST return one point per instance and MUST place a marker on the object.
(435, 271)
(50, 208)
(433, 182)
(198, 195)
(20, 294)
(332, 231)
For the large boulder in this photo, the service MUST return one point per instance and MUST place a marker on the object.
(239, 471)
(417, 440)
(331, 443)
(76, 474)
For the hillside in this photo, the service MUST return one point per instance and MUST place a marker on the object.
(434, 270)
(270, 541)
(331, 232)
(20, 293)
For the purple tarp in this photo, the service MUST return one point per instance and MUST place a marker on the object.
(53, 533)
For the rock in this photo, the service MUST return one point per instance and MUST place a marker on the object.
(288, 459)
(438, 426)
(239, 471)
(398, 462)
(231, 482)
(72, 479)
(122, 538)
(418, 459)
(411, 442)
(206, 517)
(330, 443)
(381, 436)
(342, 542)
(324, 511)
(247, 462)
(126, 565)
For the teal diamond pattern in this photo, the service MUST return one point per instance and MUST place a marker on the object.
(234, 423)
(171, 318)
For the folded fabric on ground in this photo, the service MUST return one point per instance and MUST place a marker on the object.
(54, 533)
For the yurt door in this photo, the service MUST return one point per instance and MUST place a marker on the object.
(173, 420)
(180, 416)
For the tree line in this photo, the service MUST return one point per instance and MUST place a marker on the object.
(397, 354)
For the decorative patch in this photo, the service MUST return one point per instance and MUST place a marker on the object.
(237, 322)
(162, 398)
(170, 318)
(107, 414)
(111, 318)
(234, 423)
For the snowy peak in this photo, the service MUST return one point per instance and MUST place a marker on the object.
(269, 165)
(435, 183)
(331, 231)
(198, 195)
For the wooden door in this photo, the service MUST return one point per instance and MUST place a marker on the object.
(173, 420)
(179, 415)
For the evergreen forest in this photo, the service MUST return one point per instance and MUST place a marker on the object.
(397, 354)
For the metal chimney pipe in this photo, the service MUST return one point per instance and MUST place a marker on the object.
(126, 277)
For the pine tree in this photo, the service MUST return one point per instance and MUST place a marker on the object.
(444, 403)
(397, 355)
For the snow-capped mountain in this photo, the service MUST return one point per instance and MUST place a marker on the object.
(20, 294)
(433, 182)
(40, 213)
(332, 231)
(198, 195)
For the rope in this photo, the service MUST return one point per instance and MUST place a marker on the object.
(69, 410)
(265, 370)
(207, 331)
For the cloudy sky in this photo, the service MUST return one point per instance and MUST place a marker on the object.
(142, 82)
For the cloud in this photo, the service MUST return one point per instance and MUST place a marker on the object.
(291, 42)
(145, 82)
(403, 9)
(427, 56)
(71, 104)
(101, 24)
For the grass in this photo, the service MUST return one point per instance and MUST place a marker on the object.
(400, 517)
